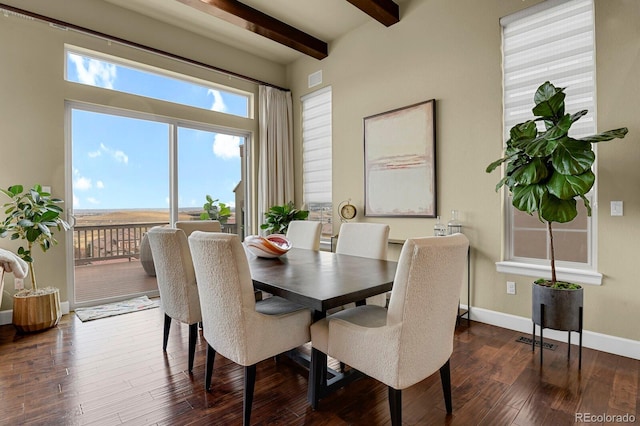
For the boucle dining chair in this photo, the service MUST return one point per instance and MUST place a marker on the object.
(176, 283)
(413, 338)
(188, 226)
(304, 234)
(365, 240)
(234, 324)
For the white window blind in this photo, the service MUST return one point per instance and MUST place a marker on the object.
(554, 44)
(552, 41)
(316, 146)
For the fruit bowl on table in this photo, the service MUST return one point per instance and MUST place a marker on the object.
(271, 246)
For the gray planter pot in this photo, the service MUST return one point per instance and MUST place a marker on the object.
(561, 307)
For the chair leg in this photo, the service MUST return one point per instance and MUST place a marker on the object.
(208, 371)
(193, 337)
(249, 385)
(395, 406)
(445, 378)
(167, 326)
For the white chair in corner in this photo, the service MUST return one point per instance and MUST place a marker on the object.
(365, 240)
(176, 283)
(188, 226)
(305, 234)
(234, 324)
(413, 338)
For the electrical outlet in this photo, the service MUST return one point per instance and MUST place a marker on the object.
(511, 287)
(616, 208)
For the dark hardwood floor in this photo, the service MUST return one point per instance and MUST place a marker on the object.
(112, 371)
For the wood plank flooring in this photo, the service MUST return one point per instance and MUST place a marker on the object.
(112, 371)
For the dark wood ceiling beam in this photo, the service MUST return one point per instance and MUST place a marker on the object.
(386, 12)
(260, 23)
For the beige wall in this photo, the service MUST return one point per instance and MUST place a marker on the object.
(33, 94)
(446, 50)
(450, 51)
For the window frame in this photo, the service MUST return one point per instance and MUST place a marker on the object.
(566, 270)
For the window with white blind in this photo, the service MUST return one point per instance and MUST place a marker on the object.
(316, 157)
(552, 41)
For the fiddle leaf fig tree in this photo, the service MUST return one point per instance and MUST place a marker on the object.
(547, 171)
(32, 216)
(215, 210)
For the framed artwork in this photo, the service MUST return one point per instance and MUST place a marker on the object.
(400, 162)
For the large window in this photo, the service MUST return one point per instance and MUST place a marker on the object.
(131, 168)
(552, 41)
(107, 72)
(316, 147)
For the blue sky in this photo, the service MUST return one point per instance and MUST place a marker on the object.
(123, 163)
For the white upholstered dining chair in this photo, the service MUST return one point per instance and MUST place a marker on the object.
(365, 240)
(234, 324)
(413, 338)
(304, 234)
(188, 226)
(176, 283)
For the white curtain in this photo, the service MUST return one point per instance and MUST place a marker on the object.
(275, 167)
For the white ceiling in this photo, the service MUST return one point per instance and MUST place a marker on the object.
(323, 19)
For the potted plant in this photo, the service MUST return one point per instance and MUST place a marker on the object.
(546, 172)
(278, 218)
(32, 216)
(215, 210)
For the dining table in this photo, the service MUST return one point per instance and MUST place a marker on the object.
(320, 281)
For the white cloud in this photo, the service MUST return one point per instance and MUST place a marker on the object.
(76, 201)
(99, 184)
(82, 183)
(93, 200)
(95, 154)
(94, 72)
(116, 154)
(218, 102)
(226, 146)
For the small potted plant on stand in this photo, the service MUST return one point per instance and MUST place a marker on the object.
(32, 217)
(546, 171)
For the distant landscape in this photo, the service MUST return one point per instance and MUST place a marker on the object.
(116, 217)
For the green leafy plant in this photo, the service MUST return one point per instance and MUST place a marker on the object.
(546, 171)
(215, 210)
(32, 216)
(278, 217)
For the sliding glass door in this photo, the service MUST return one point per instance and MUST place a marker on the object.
(129, 172)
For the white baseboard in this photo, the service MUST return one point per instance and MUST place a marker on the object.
(601, 342)
(7, 316)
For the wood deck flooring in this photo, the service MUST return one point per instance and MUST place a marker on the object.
(112, 279)
(112, 371)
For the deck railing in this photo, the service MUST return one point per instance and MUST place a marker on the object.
(105, 242)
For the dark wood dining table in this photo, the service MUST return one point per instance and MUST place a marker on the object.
(321, 281)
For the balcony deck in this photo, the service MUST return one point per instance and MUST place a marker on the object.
(111, 278)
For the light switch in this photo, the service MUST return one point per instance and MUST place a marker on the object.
(616, 208)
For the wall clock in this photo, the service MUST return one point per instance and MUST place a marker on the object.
(347, 211)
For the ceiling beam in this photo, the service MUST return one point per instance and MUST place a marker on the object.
(386, 12)
(260, 23)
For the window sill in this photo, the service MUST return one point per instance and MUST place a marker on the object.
(580, 276)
